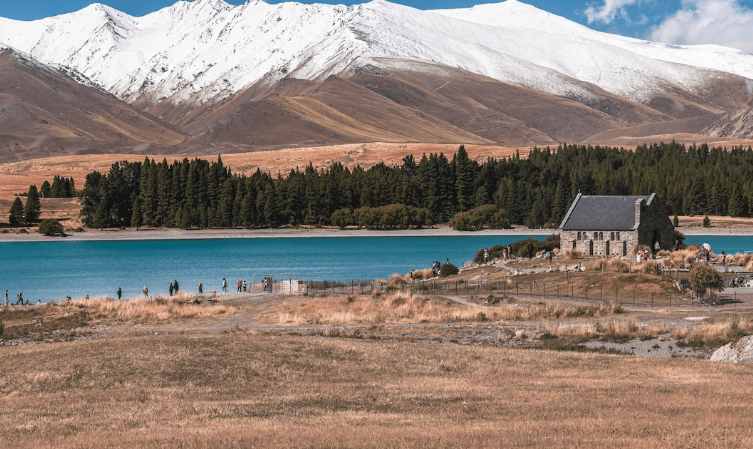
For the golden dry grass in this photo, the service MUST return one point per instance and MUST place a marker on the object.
(154, 308)
(247, 390)
(572, 254)
(409, 308)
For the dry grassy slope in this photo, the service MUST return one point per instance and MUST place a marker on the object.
(498, 111)
(44, 113)
(335, 111)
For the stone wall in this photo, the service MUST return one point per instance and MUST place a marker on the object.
(627, 241)
(655, 223)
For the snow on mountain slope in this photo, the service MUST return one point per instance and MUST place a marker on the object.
(206, 50)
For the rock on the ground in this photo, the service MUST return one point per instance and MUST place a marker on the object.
(740, 352)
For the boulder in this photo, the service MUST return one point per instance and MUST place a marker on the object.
(740, 352)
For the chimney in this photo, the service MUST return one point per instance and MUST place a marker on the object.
(638, 212)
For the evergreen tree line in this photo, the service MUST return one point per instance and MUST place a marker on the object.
(26, 214)
(60, 188)
(535, 191)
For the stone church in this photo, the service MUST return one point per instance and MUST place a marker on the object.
(601, 225)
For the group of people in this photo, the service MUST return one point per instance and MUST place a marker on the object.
(19, 299)
(242, 285)
(174, 287)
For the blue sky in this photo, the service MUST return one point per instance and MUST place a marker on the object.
(724, 22)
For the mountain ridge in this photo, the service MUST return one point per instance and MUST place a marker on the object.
(256, 75)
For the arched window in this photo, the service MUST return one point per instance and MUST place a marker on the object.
(612, 236)
(578, 235)
(618, 236)
(601, 236)
(596, 236)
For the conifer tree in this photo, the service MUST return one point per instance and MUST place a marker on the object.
(17, 213)
(137, 218)
(100, 217)
(33, 205)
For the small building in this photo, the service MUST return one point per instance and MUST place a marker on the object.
(602, 225)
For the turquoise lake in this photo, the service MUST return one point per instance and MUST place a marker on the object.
(53, 270)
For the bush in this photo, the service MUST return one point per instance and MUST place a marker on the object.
(50, 227)
(487, 215)
(448, 269)
(679, 238)
(520, 248)
(706, 222)
(393, 216)
(704, 278)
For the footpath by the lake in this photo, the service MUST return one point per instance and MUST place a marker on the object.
(183, 234)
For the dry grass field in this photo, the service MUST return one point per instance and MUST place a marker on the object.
(244, 389)
(16, 177)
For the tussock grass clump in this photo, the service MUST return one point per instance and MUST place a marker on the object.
(405, 307)
(375, 309)
(617, 330)
(647, 267)
(572, 254)
(611, 264)
(716, 334)
(159, 308)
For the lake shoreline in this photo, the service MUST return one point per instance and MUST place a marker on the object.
(208, 234)
(291, 232)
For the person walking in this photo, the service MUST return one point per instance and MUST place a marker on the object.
(20, 297)
(245, 286)
(120, 292)
(224, 285)
(146, 291)
(6, 297)
(175, 286)
(240, 284)
(171, 289)
(201, 287)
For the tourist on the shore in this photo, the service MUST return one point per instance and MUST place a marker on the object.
(20, 298)
(224, 285)
(245, 286)
(201, 287)
(175, 286)
(146, 291)
(486, 256)
(549, 256)
(240, 284)
(120, 292)
(6, 297)
(171, 289)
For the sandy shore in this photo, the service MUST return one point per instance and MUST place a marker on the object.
(182, 234)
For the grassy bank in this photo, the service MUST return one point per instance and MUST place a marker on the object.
(246, 390)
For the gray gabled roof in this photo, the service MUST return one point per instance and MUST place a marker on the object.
(608, 213)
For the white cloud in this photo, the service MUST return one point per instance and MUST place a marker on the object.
(722, 22)
(607, 12)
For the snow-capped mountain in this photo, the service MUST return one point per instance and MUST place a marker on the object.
(207, 49)
(204, 74)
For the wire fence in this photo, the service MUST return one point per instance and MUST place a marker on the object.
(523, 290)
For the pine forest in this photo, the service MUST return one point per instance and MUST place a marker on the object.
(535, 190)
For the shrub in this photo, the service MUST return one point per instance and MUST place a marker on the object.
(704, 279)
(520, 248)
(706, 222)
(50, 227)
(448, 269)
(572, 254)
(679, 238)
(487, 215)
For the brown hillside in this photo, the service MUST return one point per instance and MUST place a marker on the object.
(45, 112)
